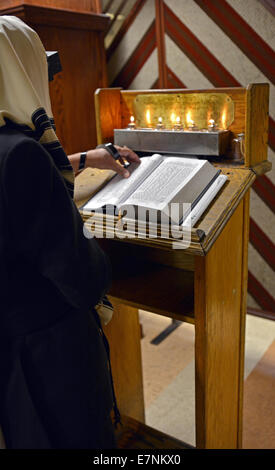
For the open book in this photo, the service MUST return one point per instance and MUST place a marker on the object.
(159, 181)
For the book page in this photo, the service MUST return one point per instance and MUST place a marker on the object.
(195, 214)
(165, 182)
(119, 189)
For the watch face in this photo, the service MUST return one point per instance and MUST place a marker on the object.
(114, 152)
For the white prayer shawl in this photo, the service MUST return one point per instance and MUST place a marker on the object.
(24, 90)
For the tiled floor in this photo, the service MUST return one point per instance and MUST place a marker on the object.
(168, 375)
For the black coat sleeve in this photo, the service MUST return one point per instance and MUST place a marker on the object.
(46, 228)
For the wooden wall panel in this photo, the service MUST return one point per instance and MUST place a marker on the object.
(72, 92)
(75, 5)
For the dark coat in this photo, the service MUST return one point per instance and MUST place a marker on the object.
(55, 387)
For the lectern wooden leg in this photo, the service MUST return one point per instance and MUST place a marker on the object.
(123, 334)
(220, 280)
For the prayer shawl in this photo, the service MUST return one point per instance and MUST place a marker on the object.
(24, 91)
(25, 106)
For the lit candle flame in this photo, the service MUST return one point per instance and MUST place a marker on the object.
(173, 118)
(148, 117)
(224, 119)
(189, 120)
(132, 124)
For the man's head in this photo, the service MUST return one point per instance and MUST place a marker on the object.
(24, 72)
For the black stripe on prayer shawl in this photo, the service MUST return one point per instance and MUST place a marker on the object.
(52, 123)
(42, 123)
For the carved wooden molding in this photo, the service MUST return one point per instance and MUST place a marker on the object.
(58, 17)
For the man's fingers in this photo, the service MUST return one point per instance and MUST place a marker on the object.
(120, 170)
(127, 153)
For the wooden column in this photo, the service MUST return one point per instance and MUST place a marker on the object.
(220, 299)
(246, 208)
(123, 334)
(160, 37)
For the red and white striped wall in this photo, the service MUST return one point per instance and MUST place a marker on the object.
(201, 44)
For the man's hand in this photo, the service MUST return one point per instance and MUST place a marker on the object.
(100, 158)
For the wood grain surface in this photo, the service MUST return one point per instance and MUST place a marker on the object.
(153, 287)
(243, 311)
(79, 5)
(136, 435)
(219, 337)
(256, 124)
(108, 113)
(210, 224)
(160, 39)
(123, 334)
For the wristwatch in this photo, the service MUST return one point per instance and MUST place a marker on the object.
(111, 149)
(82, 161)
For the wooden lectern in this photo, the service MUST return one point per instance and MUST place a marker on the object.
(204, 285)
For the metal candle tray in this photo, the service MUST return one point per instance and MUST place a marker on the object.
(212, 143)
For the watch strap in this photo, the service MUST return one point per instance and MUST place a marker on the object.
(111, 149)
(82, 161)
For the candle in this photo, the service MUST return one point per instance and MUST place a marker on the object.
(212, 126)
(173, 118)
(178, 124)
(160, 124)
(148, 118)
(191, 126)
(224, 119)
(132, 124)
